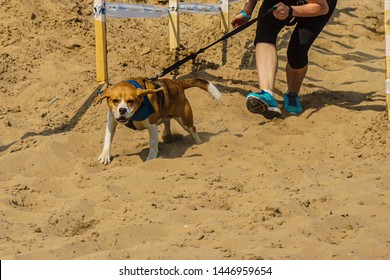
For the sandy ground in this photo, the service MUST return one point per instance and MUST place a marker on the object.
(314, 186)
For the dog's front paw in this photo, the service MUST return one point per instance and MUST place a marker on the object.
(105, 157)
(151, 156)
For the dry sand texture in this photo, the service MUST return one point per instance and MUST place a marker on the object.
(316, 186)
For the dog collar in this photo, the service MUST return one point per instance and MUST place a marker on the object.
(146, 108)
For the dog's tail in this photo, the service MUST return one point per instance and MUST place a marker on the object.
(203, 84)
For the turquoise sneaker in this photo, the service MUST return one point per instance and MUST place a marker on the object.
(292, 103)
(263, 103)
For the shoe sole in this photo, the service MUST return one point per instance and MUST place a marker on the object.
(258, 106)
(292, 112)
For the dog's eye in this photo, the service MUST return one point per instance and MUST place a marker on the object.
(115, 101)
(130, 101)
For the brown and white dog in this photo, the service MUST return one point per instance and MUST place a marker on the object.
(140, 103)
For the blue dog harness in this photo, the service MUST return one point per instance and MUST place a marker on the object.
(144, 111)
(146, 108)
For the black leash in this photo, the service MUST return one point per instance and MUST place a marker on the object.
(226, 36)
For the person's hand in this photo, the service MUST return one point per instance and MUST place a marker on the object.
(282, 11)
(239, 20)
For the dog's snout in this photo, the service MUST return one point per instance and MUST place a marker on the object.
(122, 111)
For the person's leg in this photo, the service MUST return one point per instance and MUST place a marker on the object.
(263, 102)
(267, 31)
(302, 38)
(267, 64)
(295, 78)
(292, 102)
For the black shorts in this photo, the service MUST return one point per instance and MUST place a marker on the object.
(306, 31)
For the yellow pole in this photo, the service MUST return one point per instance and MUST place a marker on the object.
(225, 15)
(387, 50)
(174, 30)
(99, 8)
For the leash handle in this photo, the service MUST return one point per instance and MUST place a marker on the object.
(226, 36)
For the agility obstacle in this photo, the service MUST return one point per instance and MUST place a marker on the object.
(99, 12)
(102, 10)
(387, 54)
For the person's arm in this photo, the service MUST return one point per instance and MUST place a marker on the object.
(312, 8)
(249, 7)
(240, 19)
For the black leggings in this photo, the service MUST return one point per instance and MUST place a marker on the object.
(306, 31)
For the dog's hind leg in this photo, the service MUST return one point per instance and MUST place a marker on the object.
(167, 134)
(190, 129)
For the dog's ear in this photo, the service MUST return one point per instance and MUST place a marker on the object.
(143, 92)
(104, 95)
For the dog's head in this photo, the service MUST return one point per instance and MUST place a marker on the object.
(124, 100)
